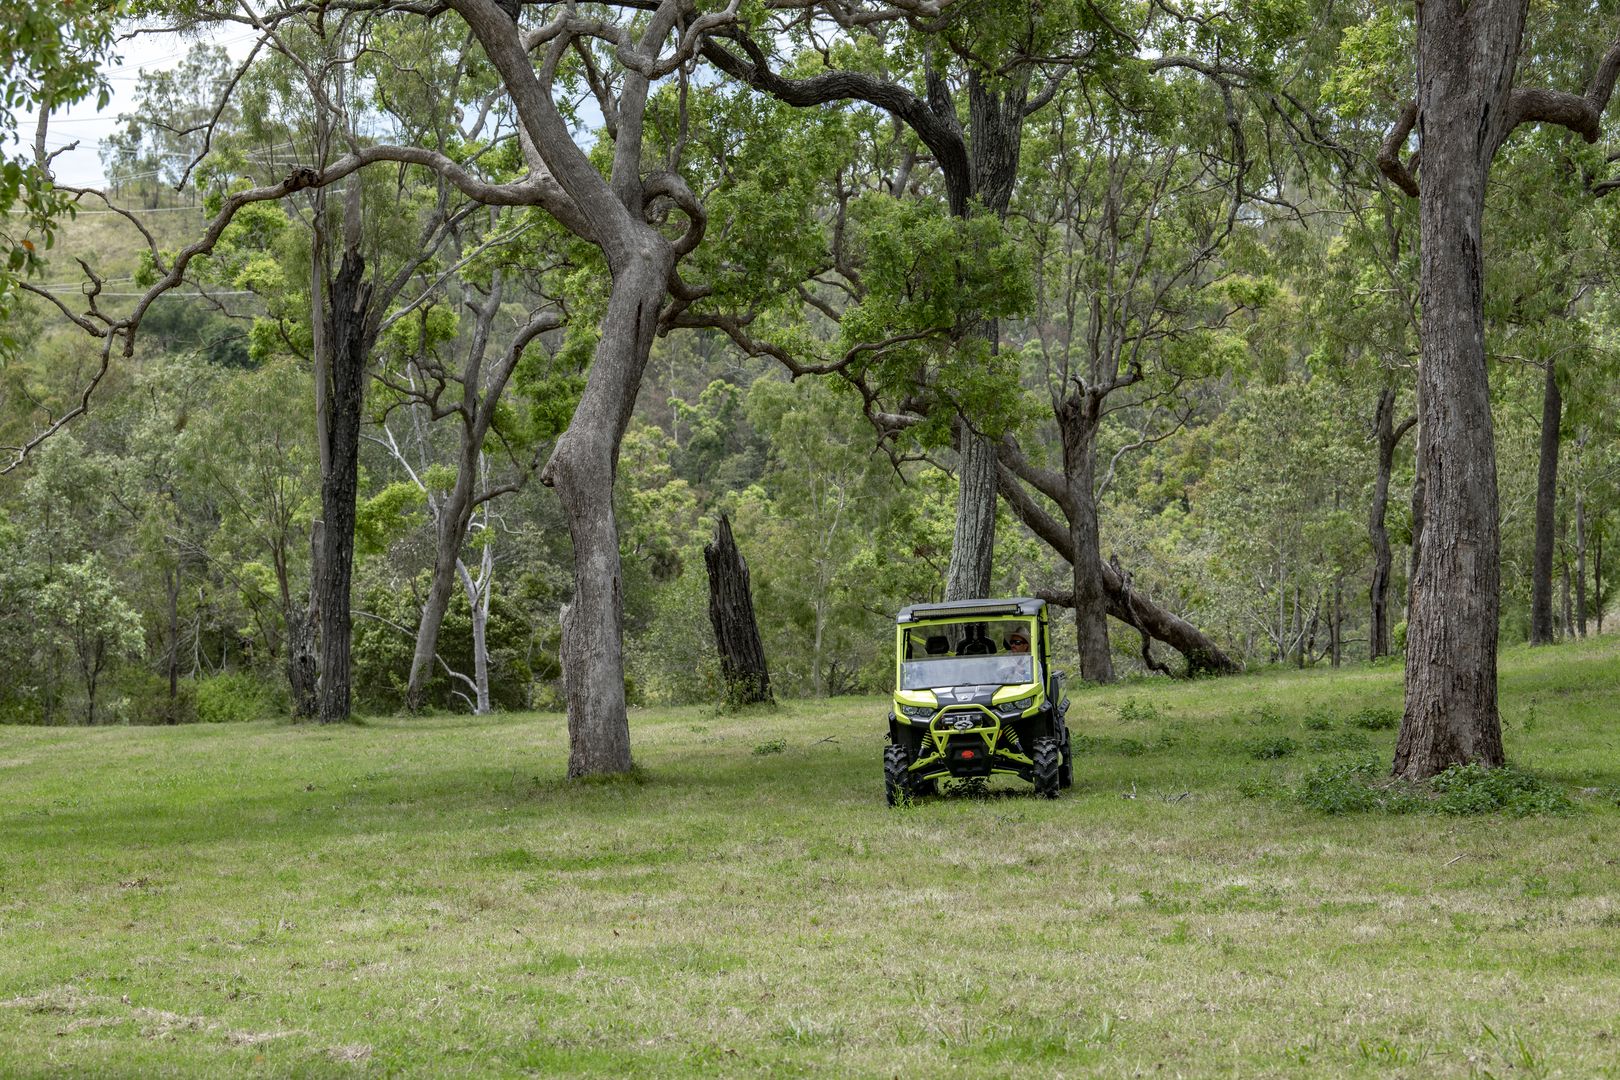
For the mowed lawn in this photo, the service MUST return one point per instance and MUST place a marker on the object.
(428, 897)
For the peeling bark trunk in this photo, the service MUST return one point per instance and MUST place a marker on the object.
(478, 593)
(349, 341)
(1541, 566)
(454, 515)
(1467, 53)
(731, 612)
(582, 469)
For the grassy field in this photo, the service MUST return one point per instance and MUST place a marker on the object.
(428, 897)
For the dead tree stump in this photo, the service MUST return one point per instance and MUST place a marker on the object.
(736, 632)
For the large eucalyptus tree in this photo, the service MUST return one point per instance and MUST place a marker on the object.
(1467, 104)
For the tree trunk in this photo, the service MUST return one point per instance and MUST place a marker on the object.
(451, 532)
(171, 581)
(1336, 623)
(1077, 423)
(1541, 566)
(582, 469)
(996, 126)
(1389, 437)
(1597, 573)
(1580, 563)
(303, 644)
(731, 612)
(1419, 486)
(1467, 53)
(1567, 627)
(973, 544)
(348, 339)
(478, 593)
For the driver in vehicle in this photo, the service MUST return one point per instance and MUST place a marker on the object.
(1017, 642)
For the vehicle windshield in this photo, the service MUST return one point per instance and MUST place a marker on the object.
(967, 653)
(966, 671)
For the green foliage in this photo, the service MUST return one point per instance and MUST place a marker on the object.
(1364, 785)
(236, 697)
(53, 50)
(386, 516)
(1271, 747)
(1375, 719)
(1472, 789)
(1132, 711)
(146, 700)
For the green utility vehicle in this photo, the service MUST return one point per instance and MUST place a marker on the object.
(975, 696)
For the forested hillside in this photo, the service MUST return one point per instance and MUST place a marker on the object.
(410, 361)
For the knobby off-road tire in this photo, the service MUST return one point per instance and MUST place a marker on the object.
(1048, 758)
(896, 787)
(1066, 768)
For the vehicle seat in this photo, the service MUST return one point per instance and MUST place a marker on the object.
(938, 645)
(978, 646)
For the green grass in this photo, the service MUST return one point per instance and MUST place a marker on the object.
(427, 897)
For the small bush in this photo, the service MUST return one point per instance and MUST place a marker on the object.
(1263, 716)
(1462, 790)
(1398, 636)
(1319, 723)
(1271, 747)
(1376, 719)
(1474, 789)
(1256, 787)
(1342, 788)
(771, 746)
(1132, 711)
(235, 697)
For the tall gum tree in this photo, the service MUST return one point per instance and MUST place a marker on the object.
(612, 207)
(1466, 107)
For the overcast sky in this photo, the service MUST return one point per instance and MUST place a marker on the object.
(84, 125)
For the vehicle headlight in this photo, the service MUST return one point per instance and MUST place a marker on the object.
(917, 712)
(1015, 708)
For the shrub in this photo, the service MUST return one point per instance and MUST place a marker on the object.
(1398, 636)
(1376, 719)
(147, 701)
(1319, 723)
(1341, 788)
(771, 746)
(235, 697)
(1474, 789)
(1271, 747)
(1361, 785)
(1132, 711)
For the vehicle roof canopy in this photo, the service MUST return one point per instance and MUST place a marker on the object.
(971, 609)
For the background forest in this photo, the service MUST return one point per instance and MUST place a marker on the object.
(1182, 301)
